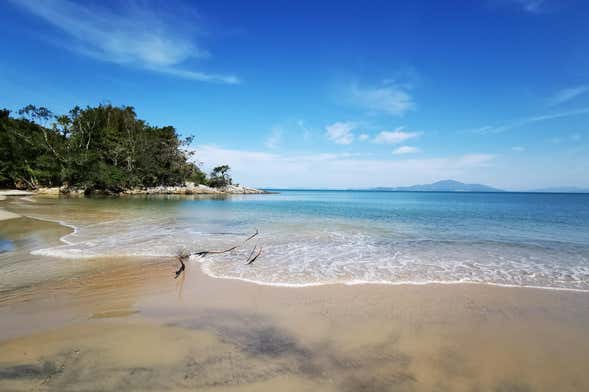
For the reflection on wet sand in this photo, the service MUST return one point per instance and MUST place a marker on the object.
(122, 327)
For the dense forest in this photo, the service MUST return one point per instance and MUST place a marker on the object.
(97, 148)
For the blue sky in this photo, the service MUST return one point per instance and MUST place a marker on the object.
(326, 94)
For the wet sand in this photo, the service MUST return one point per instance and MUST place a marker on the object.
(126, 324)
(6, 215)
(131, 327)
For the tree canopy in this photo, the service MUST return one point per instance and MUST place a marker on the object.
(96, 148)
(220, 177)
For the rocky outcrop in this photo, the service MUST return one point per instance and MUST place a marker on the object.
(242, 190)
(56, 191)
(188, 189)
(49, 191)
(191, 189)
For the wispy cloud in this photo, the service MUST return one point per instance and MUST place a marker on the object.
(336, 170)
(389, 99)
(133, 35)
(574, 137)
(340, 132)
(275, 138)
(363, 137)
(406, 150)
(307, 134)
(532, 5)
(518, 148)
(395, 137)
(567, 94)
(492, 129)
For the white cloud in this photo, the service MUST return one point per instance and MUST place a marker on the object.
(388, 99)
(363, 137)
(406, 150)
(531, 5)
(339, 170)
(395, 137)
(307, 134)
(340, 132)
(133, 35)
(275, 138)
(490, 129)
(198, 76)
(518, 148)
(568, 94)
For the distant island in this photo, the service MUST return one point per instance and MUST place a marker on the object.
(441, 186)
(457, 186)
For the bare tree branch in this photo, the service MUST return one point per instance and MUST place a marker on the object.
(183, 267)
(213, 252)
(251, 253)
(185, 256)
(252, 236)
(255, 257)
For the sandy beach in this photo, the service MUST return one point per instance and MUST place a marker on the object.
(141, 330)
(125, 327)
(113, 324)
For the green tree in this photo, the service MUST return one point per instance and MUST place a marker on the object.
(220, 177)
(96, 148)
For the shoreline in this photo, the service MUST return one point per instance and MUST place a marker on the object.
(353, 282)
(188, 189)
(392, 283)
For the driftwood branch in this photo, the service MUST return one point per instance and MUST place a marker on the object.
(213, 252)
(251, 253)
(250, 261)
(183, 266)
(184, 257)
(252, 236)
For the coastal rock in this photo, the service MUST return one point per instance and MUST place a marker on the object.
(192, 189)
(188, 189)
(48, 191)
(242, 190)
(66, 190)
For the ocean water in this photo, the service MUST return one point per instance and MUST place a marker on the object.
(347, 237)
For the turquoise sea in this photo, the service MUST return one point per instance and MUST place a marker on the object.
(348, 237)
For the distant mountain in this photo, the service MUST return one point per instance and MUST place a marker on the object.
(442, 186)
(562, 189)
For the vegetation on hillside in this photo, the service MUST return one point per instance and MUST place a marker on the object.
(97, 148)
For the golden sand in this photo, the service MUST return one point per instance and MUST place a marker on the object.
(131, 326)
